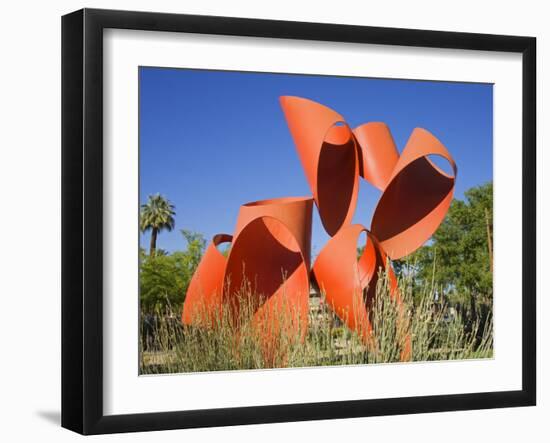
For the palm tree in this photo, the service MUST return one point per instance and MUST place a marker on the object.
(156, 215)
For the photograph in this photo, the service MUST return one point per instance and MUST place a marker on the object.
(292, 221)
(275, 221)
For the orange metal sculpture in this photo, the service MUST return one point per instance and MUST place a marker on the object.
(271, 244)
(328, 153)
(415, 198)
(203, 300)
(349, 283)
(269, 259)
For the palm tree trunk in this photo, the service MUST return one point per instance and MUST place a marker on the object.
(153, 245)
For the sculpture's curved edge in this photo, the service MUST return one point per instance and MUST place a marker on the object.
(350, 283)
(416, 198)
(267, 241)
(295, 212)
(342, 281)
(202, 302)
(378, 153)
(321, 143)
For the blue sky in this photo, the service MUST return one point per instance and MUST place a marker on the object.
(213, 140)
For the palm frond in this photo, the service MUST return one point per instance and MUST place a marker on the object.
(157, 213)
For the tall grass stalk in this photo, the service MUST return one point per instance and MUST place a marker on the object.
(233, 340)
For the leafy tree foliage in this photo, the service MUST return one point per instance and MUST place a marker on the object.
(164, 278)
(195, 248)
(462, 246)
(459, 256)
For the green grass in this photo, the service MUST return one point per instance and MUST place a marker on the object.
(435, 331)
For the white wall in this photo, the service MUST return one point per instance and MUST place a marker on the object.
(30, 218)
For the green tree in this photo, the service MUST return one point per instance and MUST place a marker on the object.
(195, 247)
(156, 215)
(164, 278)
(161, 283)
(462, 248)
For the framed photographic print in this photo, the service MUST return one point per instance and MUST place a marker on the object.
(269, 221)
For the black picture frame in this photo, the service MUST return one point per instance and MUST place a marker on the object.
(82, 218)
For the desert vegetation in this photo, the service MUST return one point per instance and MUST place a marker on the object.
(445, 311)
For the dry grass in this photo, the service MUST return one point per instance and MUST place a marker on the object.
(435, 333)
